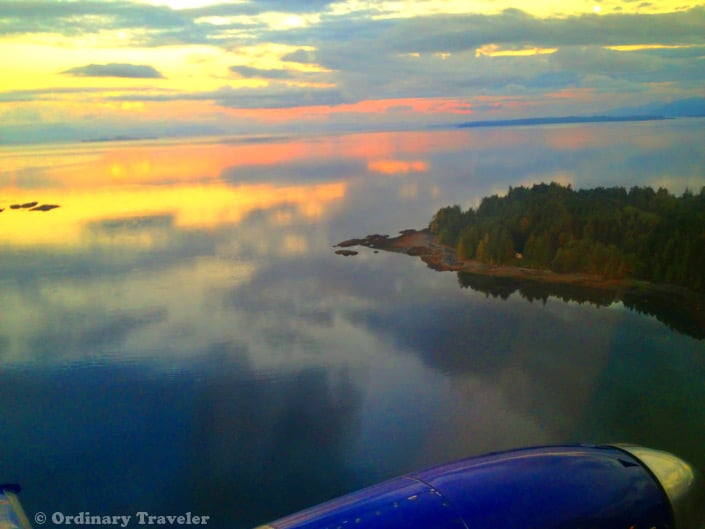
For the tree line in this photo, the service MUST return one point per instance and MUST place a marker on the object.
(611, 232)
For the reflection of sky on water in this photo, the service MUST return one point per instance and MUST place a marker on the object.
(180, 332)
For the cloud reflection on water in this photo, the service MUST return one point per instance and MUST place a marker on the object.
(201, 278)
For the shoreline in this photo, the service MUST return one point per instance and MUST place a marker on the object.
(424, 244)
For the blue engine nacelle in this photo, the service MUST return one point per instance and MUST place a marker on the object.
(559, 487)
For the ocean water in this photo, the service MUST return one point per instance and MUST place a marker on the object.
(179, 336)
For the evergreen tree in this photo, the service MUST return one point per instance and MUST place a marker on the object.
(640, 233)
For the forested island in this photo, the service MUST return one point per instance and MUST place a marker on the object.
(611, 232)
(643, 247)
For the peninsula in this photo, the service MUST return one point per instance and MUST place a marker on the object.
(640, 246)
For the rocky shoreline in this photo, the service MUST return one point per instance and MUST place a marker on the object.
(424, 244)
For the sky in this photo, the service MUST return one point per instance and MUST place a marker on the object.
(94, 69)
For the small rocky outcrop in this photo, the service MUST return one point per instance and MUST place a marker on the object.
(33, 206)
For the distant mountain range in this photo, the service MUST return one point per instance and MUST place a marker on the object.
(692, 107)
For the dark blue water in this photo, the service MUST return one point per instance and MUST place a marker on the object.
(179, 336)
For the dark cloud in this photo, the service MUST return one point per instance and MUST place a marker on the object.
(372, 58)
(250, 72)
(279, 96)
(163, 25)
(694, 52)
(511, 29)
(445, 33)
(222, 10)
(134, 71)
(85, 16)
(287, 97)
(553, 80)
(294, 5)
(281, 74)
(636, 67)
(256, 7)
(407, 63)
(420, 34)
(302, 56)
(593, 59)
(49, 93)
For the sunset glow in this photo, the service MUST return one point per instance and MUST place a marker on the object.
(398, 166)
(125, 183)
(88, 70)
(189, 207)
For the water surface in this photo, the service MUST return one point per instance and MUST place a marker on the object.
(179, 336)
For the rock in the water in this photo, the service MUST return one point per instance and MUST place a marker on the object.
(45, 207)
(351, 242)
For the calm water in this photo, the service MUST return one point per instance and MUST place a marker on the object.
(179, 335)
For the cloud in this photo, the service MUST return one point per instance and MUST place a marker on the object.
(433, 56)
(157, 25)
(300, 55)
(80, 17)
(691, 52)
(134, 71)
(295, 5)
(423, 33)
(43, 94)
(362, 56)
(56, 93)
(250, 72)
(446, 33)
(160, 25)
(593, 59)
(279, 97)
(256, 7)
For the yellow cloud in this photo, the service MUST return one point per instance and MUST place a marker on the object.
(538, 8)
(493, 50)
(637, 47)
